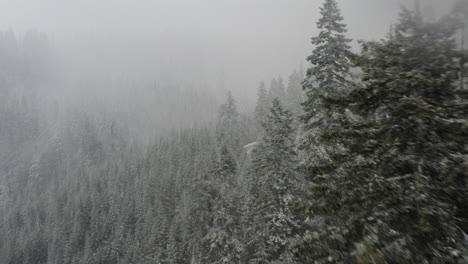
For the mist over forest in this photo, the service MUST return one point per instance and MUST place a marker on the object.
(219, 131)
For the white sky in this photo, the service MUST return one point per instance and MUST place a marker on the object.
(244, 41)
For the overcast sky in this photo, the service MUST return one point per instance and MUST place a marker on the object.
(230, 43)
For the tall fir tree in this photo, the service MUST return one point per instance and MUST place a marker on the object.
(274, 186)
(329, 75)
(227, 126)
(397, 194)
(225, 235)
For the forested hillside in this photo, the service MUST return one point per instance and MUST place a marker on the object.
(361, 157)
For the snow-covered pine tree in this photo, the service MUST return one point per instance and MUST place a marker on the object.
(227, 127)
(400, 197)
(223, 238)
(274, 185)
(328, 75)
(226, 166)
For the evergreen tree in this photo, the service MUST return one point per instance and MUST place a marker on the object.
(223, 238)
(275, 181)
(225, 167)
(397, 193)
(329, 75)
(227, 127)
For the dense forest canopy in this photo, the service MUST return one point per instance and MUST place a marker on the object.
(357, 155)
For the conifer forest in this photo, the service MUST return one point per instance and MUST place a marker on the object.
(234, 132)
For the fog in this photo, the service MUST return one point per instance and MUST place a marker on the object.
(108, 56)
(220, 45)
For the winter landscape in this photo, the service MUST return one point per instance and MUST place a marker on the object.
(233, 131)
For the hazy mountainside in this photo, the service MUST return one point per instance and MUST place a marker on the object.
(77, 173)
(360, 159)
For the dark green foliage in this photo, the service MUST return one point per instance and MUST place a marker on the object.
(329, 75)
(396, 193)
(330, 59)
(274, 187)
